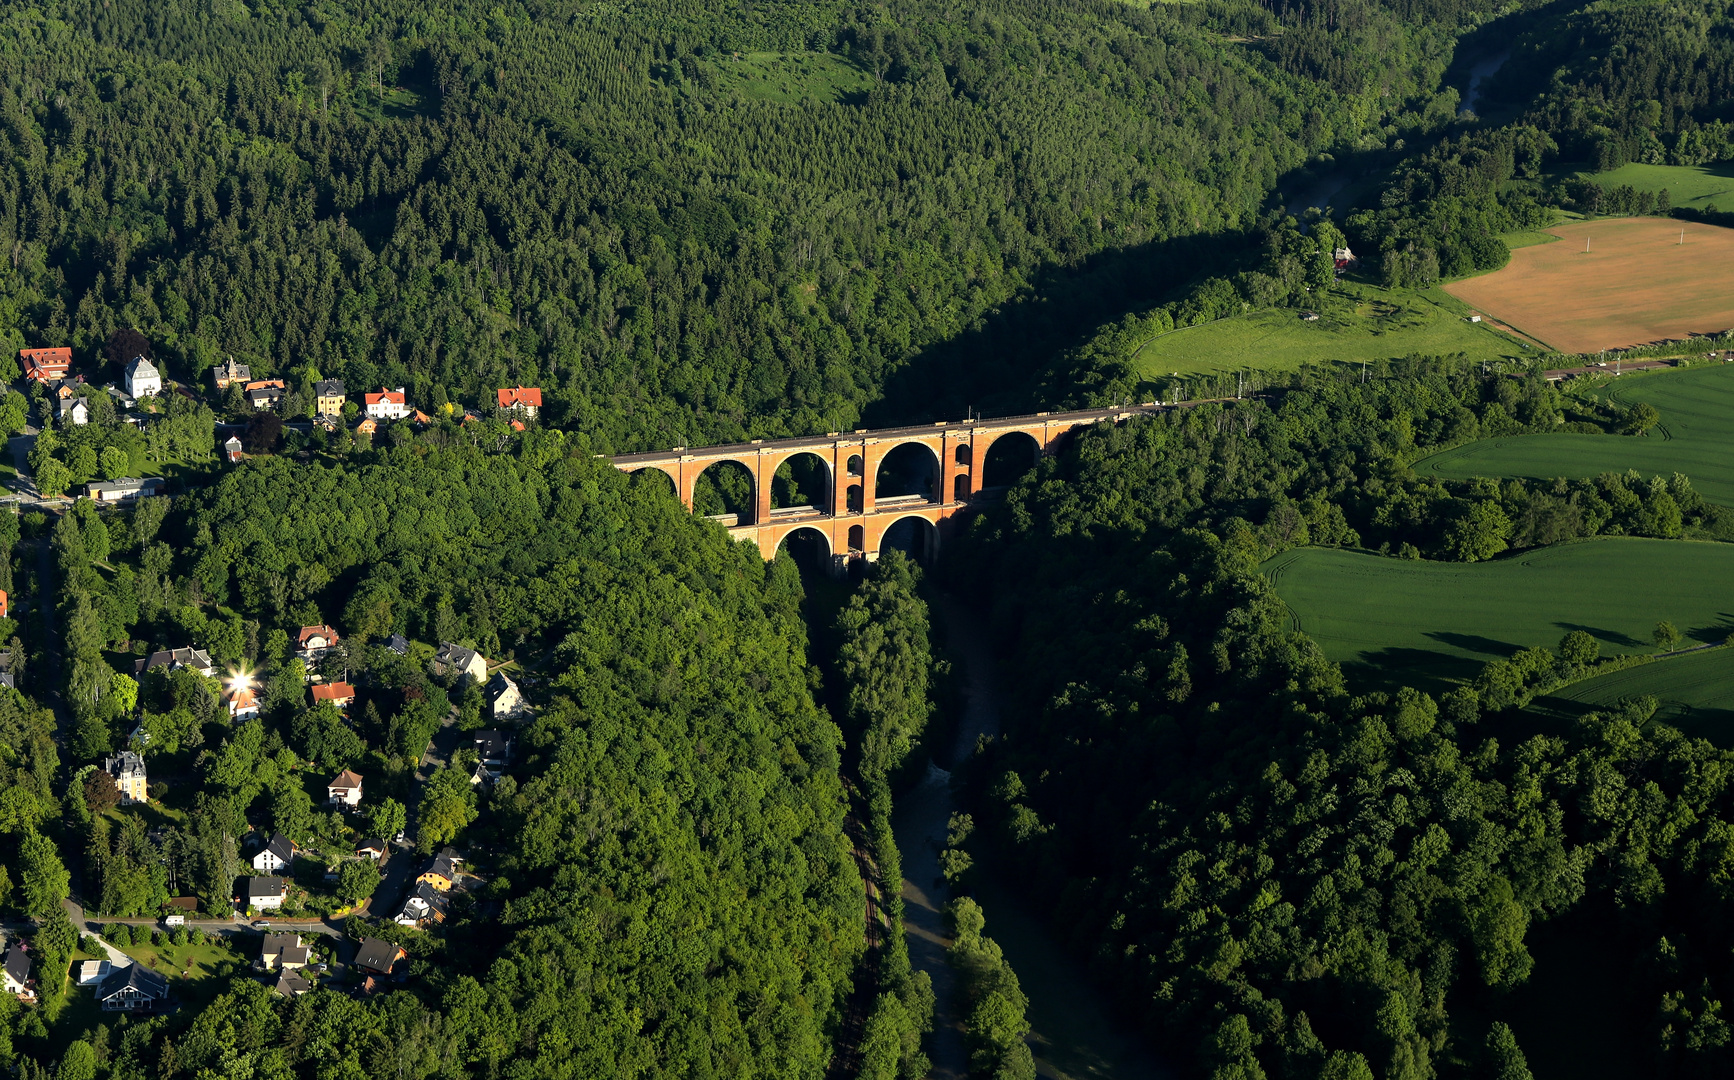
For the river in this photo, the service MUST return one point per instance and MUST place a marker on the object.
(1074, 1035)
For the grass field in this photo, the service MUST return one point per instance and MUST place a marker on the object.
(1635, 284)
(1357, 322)
(1694, 692)
(1695, 437)
(1431, 624)
(1697, 186)
(790, 77)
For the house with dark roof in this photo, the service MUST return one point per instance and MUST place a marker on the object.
(455, 660)
(328, 397)
(424, 904)
(142, 378)
(370, 849)
(125, 490)
(232, 449)
(173, 659)
(134, 988)
(267, 892)
(277, 853)
(224, 374)
(378, 957)
(293, 984)
(398, 644)
(128, 770)
(17, 973)
(283, 952)
(442, 871)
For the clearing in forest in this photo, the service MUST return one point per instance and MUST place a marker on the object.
(1702, 187)
(1612, 283)
(1356, 323)
(1694, 692)
(1695, 437)
(1429, 624)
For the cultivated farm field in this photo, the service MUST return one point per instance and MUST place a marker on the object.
(1695, 437)
(1636, 283)
(1433, 624)
(1694, 692)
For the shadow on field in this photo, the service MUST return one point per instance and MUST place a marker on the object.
(1611, 637)
(1474, 643)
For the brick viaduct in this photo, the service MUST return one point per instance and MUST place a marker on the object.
(850, 516)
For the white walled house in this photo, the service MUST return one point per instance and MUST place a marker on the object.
(387, 404)
(143, 379)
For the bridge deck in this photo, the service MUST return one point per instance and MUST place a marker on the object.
(1079, 416)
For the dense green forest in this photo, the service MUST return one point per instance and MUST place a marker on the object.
(686, 223)
(1319, 881)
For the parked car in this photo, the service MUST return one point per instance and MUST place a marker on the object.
(174, 920)
(261, 925)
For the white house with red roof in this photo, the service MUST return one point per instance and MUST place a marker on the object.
(523, 399)
(338, 693)
(243, 703)
(46, 365)
(387, 404)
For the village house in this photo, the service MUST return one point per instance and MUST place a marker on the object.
(74, 410)
(17, 973)
(265, 893)
(263, 394)
(232, 449)
(3, 613)
(367, 426)
(230, 372)
(378, 957)
(142, 378)
(338, 693)
(493, 750)
(387, 404)
(523, 399)
(293, 984)
(242, 702)
(128, 770)
(133, 988)
(328, 397)
(126, 489)
(503, 697)
(344, 790)
(424, 904)
(370, 849)
(284, 952)
(278, 852)
(197, 659)
(46, 365)
(443, 870)
(313, 642)
(455, 660)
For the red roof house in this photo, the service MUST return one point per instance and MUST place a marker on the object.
(46, 365)
(524, 399)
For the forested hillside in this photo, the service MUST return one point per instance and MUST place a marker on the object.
(1319, 881)
(688, 224)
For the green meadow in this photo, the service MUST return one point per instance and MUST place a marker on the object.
(1697, 186)
(1356, 323)
(1694, 692)
(789, 77)
(1432, 624)
(1695, 437)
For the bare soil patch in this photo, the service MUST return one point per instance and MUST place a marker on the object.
(1636, 284)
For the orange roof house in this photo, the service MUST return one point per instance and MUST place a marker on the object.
(4, 606)
(367, 426)
(243, 703)
(526, 398)
(46, 365)
(339, 694)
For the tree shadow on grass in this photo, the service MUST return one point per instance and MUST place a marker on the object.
(1428, 670)
(1610, 637)
(1486, 646)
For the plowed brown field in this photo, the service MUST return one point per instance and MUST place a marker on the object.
(1636, 284)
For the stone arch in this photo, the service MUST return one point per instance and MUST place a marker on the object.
(809, 547)
(910, 468)
(857, 539)
(960, 487)
(1008, 457)
(854, 465)
(727, 491)
(961, 456)
(654, 478)
(913, 534)
(852, 499)
(801, 479)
